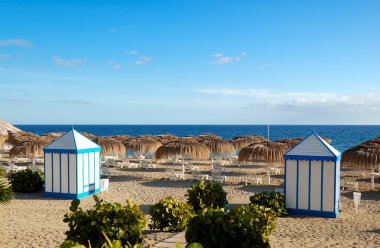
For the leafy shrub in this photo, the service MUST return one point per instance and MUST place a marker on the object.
(6, 193)
(206, 196)
(248, 226)
(26, 181)
(124, 223)
(273, 200)
(107, 244)
(170, 215)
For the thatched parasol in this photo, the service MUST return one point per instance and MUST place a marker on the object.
(365, 155)
(52, 136)
(183, 146)
(165, 138)
(29, 148)
(208, 136)
(218, 146)
(121, 138)
(290, 143)
(89, 136)
(242, 141)
(110, 146)
(21, 137)
(269, 152)
(142, 144)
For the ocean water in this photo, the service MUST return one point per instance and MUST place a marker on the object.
(343, 136)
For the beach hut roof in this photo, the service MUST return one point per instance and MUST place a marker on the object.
(313, 145)
(72, 140)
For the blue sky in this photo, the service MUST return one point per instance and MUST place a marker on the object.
(190, 62)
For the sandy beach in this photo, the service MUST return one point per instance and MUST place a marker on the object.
(31, 220)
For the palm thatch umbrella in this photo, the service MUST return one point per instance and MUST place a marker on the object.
(29, 148)
(165, 138)
(121, 138)
(52, 136)
(218, 146)
(363, 156)
(269, 152)
(204, 136)
(142, 144)
(183, 147)
(110, 146)
(290, 143)
(89, 136)
(3, 139)
(21, 137)
(242, 141)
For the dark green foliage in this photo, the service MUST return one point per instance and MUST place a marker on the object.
(170, 215)
(206, 196)
(6, 193)
(124, 223)
(248, 226)
(26, 181)
(273, 200)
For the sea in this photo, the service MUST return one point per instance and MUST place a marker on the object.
(342, 136)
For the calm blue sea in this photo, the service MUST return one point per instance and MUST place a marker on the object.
(343, 137)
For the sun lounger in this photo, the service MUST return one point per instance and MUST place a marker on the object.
(197, 175)
(106, 172)
(253, 179)
(11, 167)
(104, 184)
(147, 165)
(216, 175)
(172, 174)
(349, 182)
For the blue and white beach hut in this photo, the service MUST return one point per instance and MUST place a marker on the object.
(72, 167)
(312, 178)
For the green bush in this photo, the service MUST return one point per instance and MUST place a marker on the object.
(248, 226)
(6, 193)
(124, 223)
(206, 196)
(26, 181)
(170, 215)
(273, 200)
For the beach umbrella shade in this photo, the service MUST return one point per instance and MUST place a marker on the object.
(142, 144)
(208, 136)
(245, 140)
(290, 143)
(110, 146)
(121, 138)
(52, 136)
(165, 138)
(89, 136)
(29, 148)
(21, 137)
(218, 146)
(183, 147)
(268, 152)
(363, 156)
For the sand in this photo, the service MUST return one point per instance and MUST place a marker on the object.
(31, 220)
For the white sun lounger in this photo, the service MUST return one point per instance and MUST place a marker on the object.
(172, 174)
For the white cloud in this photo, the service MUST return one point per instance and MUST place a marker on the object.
(5, 56)
(140, 59)
(68, 62)
(221, 59)
(16, 42)
(300, 99)
(115, 65)
(114, 30)
(132, 52)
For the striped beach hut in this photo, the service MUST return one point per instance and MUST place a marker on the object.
(312, 178)
(72, 167)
